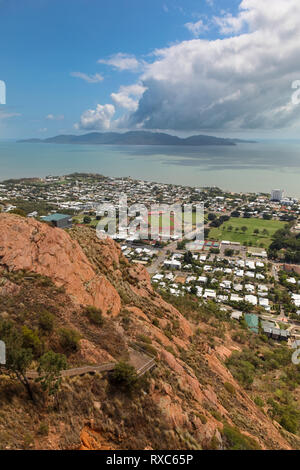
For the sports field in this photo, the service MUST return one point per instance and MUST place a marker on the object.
(242, 230)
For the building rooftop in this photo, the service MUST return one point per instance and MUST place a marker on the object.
(252, 322)
(50, 218)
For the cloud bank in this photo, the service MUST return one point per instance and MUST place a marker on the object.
(240, 81)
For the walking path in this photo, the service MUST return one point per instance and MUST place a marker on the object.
(140, 361)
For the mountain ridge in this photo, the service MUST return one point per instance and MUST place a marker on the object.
(135, 138)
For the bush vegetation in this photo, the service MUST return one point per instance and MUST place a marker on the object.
(94, 315)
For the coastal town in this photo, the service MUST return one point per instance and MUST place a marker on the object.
(235, 266)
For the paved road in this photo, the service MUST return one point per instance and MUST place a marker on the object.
(275, 272)
(171, 247)
(161, 257)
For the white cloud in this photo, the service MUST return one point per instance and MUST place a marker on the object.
(128, 96)
(197, 28)
(6, 115)
(265, 15)
(97, 119)
(122, 62)
(52, 117)
(242, 81)
(96, 78)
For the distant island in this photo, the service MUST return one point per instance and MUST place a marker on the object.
(135, 138)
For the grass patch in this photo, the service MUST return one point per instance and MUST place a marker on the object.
(266, 229)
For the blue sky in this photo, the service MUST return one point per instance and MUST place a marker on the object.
(69, 65)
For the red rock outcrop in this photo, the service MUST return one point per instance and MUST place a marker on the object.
(26, 244)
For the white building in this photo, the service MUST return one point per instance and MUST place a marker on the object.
(252, 299)
(209, 294)
(277, 195)
(236, 298)
(172, 264)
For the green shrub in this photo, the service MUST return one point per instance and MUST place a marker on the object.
(286, 412)
(94, 315)
(214, 443)
(216, 415)
(45, 281)
(239, 337)
(230, 388)
(243, 366)
(289, 422)
(148, 348)
(168, 334)
(124, 375)
(32, 341)
(43, 429)
(69, 340)
(235, 440)
(202, 418)
(144, 339)
(170, 350)
(259, 401)
(46, 321)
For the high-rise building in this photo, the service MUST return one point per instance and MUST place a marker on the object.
(277, 195)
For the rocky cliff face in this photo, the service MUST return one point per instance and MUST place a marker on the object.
(26, 244)
(186, 403)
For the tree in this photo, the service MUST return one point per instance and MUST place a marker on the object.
(87, 220)
(193, 290)
(229, 252)
(206, 233)
(181, 245)
(32, 341)
(124, 375)
(244, 229)
(50, 366)
(235, 214)
(188, 257)
(18, 358)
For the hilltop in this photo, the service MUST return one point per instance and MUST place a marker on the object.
(191, 400)
(135, 138)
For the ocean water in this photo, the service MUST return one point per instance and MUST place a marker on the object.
(257, 167)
